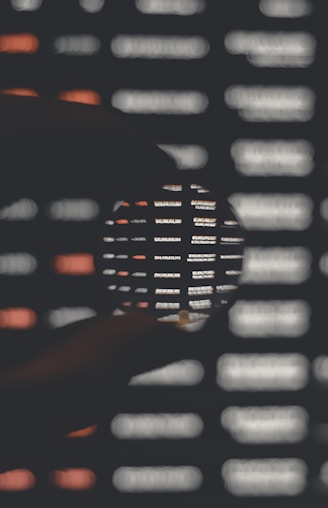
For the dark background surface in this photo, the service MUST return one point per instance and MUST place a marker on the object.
(280, 330)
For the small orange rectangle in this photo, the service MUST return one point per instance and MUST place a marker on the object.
(141, 203)
(122, 273)
(73, 478)
(126, 304)
(17, 318)
(122, 221)
(17, 480)
(85, 432)
(143, 305)
(81, 263)
(82, 96)
(19, 43)
(24, 92)
(139, 256)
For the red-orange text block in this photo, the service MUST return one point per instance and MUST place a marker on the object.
(81, 263)
(17, 318)
(19, 43)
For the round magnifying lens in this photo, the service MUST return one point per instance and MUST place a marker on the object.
(177, 254)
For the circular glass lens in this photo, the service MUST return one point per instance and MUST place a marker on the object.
(177, 255)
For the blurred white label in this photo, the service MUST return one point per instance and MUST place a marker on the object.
(265, 477)
(17, 263)
(264, 103)
(157, 479)
(270, 318)
(323, 475)
(92, 6)
(323, 264)
(276, 265)
(265, 424)
(187, 156)
(262, 371)
(320, 368)
(274, 157)
(171, 47)
(171, 7)
(184, 372)
(273, 211)
(157, 426)
(62, 316)
(272, 49)
(166, 102)
(324, 209)
(285, 8)
(73, 209)
(23, 209)
(76, 45)
(26, 5)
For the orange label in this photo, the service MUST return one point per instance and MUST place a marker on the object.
(19, 43)
(16, 480)
(74, 264)
(82, 96)
(73, 478)
(17, 318)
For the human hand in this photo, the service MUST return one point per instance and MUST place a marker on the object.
(75, 382)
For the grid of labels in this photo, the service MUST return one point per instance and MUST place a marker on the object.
(268, 101)
(178, 255)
